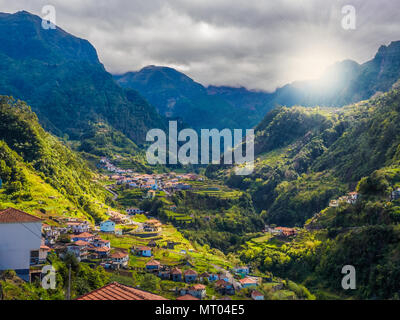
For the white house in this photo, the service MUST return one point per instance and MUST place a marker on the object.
(121, 258)
(79, 227)
(107, 226)
(134, 211)
(20, 240)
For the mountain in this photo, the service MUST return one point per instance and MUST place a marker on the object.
(40, 172)
(345, 82)
(175, 95)
(62, 79)
(307, 156)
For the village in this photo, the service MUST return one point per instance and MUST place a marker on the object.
(168, 182)
(133, 240)
(89, 244)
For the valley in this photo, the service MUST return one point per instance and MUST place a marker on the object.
(78, 194)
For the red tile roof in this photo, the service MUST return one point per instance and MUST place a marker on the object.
(256, 293)
(83, 235)
(221, 283)
(81, 243)
(190, 272)
(11, 215)
(102, 249)
(176, 271)
(198, 287)
(187, 297)
(117, 291)
(247, 280)
(119, 255)
(153, 263)
(144, 248)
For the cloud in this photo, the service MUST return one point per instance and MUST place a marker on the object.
(257, 44)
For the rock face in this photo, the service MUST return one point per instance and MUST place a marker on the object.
(61, 77)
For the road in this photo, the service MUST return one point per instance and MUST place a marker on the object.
(109, 189)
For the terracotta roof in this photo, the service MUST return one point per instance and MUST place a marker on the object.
(190, 272)
(45, 248)
(153, 263)
(257, 293)
(247, 280)
(198, 287)
(221, 283)
(187, 297)
(117, 291)
(119, 254)
(144, 248)
(102, 249)
(81, 243)
(83, 235)
(11, 215)
(176, 271)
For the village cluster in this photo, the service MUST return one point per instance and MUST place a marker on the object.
(36, 240)
(168, 182)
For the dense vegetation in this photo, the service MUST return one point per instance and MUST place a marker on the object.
(24, 145)
(175, 95)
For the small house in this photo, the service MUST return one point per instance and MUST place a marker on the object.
(242, 270)
(107, 226)
(176, 274)
(120, 258)
(257, 295)
(248, 282)
(190, 276)
(143, 251)
(85, 236)
(153, 265)
(224, 287)
(198, 291)
(78, 227)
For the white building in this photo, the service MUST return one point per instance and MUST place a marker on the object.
(133, 211)
(79, 227)
(20, 240)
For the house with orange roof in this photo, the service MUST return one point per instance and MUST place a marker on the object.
(100, 252)
(257, 295)
(248, 282)
(176, 274)
(224, 287)
(153, 265)
(198, 290)
(143, 251)
(85, 236)
(121, 258)
(20, 241)
(79, 249)
(190, 275)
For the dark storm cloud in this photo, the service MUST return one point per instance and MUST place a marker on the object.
(258, 44)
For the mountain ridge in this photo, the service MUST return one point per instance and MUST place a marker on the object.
(61, 77)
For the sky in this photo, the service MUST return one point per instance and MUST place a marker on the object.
(258, 44)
